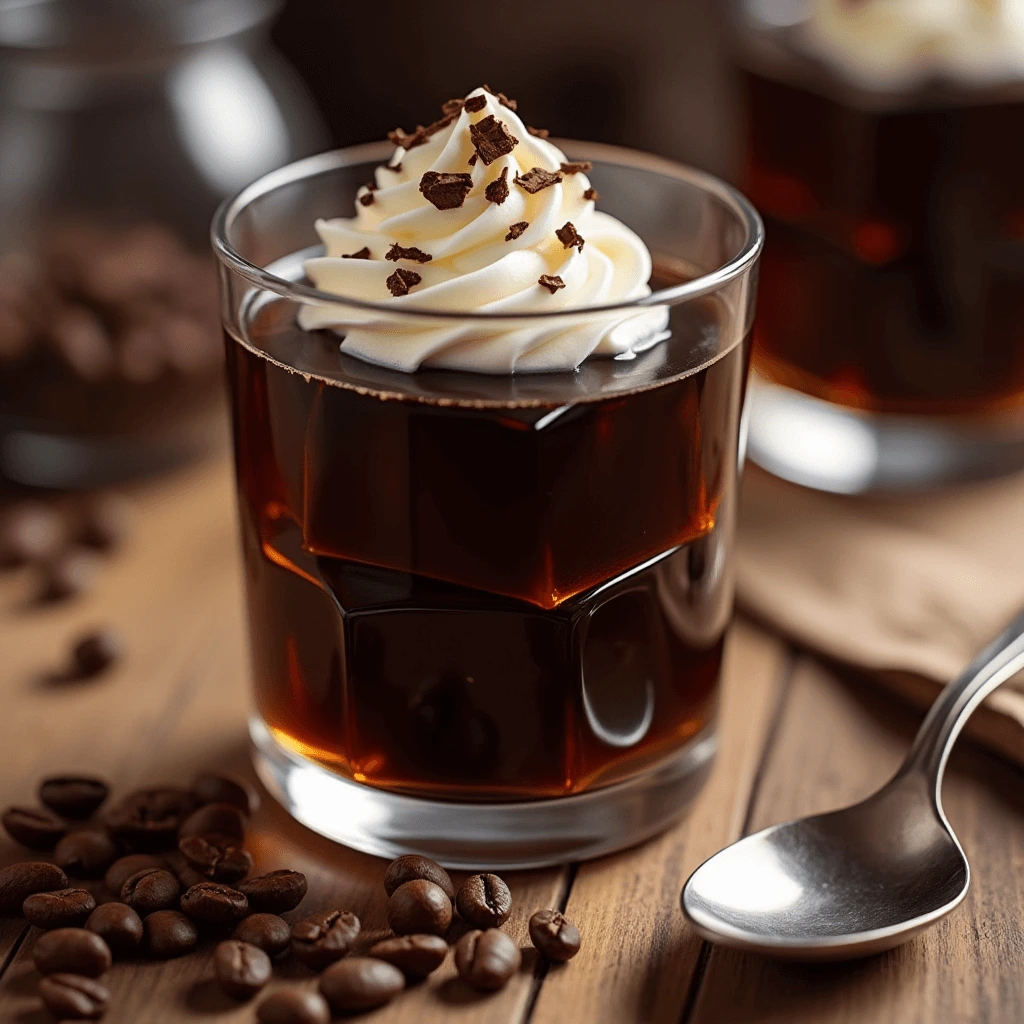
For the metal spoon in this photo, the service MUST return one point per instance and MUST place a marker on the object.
(861, 880)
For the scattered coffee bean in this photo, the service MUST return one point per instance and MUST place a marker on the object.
(32, 531)
(320, 940)
(71, 574)
(554, 935)
(151, 889)
(275, 892)
(19, 881)
(411, 866)
(124, 867)
(148, 819)
(118, 925)
(360, 983)
(294, 1006)
(107, 521)
(268, 932)
(414, 955)
(484, 901)
(33, 827)
(215, 819)
(213, 903)
(226, 789)
(169, 933)
(72, 997)
(217, 858)
(94, 653)
(63, 908)
(73, 796)
(71, 951)
(419, 906)
(86, 853)
(241, 969)
(183, 871)
(486, 959)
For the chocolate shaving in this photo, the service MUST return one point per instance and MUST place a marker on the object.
(501, 97)
(396, 253)
(577, 168)
(515, 230)
(568, 236)
(362, 254)
(397, 168)
(476, 103)
(540, 133)
(452, 106)
(402, 280)
(491, 139)
(537, 178)
(591, 194)
(367, 197)
(436, 126)
(551, 282)
(497, 191)
(407, 140)
(472, 160)
(445, 191)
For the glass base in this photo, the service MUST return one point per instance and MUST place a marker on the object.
(478, 836)
(846, 451)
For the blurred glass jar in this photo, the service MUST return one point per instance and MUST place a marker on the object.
(885, 148)
(123, 123)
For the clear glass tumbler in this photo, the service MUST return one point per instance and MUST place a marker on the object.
(487, 612)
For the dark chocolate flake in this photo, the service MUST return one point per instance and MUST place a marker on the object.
(515, 230)
(407, 140)
(452, 106)
(472, 160)
(538, 133)
(476, 103)
(396, 253)
(445, 191)
(491, 138)
(402, 280)
(569, 237)
(497, 191)
(551, 282)
(536, 179)
(367, 197)
(507, 101)
(577, 168)
(361, 254)
(591, 194)
(436, 126)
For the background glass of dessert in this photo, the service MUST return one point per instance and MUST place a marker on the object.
(888, 160)
(487, 612)
(122, 125)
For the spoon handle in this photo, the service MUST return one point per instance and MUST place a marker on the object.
(999, 661)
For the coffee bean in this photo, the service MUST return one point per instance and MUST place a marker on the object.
(323, 938)
(415, 955)
(73, 796)
(182, 870)
(19, 881)
(214, 903)
(71, 951)
(148, 819)
(71, 574)
(275, 892)
(33, 827)
(118, 925)
(268, 932)
(169, 933)
(94, 653)
(151, 889)
(218, 858)
(410, 866)
(107, 521)
(226, 789)
(486, 959)
(63, 908)
(86, 853)
(484, 901)
(360, 983)
(215, 819)
(554, 936)
(419, 906)
(241, 969)
(124, 867)
(31, 531)
(294, 1006)
(72, 997)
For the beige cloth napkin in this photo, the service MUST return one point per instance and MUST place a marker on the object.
(909, 588)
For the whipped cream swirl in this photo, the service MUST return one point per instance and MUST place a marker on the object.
(475, 214)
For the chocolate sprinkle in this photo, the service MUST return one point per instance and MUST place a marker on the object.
(577, 168)
(445, 191)
(497, 191)
(366, 199)
(476, 103)
(536, 179)
(402, 280)
(551, 282)
(540, 133)
(491, 139)
(362, 254)
(396, 253)
(568, 236)
(591, 194)
(515, 230)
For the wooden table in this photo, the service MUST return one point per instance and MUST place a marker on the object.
(795, 739)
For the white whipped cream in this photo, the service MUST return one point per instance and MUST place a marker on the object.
(475, 267)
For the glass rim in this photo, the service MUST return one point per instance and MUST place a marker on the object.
(231, 208)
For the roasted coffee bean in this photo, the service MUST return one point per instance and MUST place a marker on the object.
(268, 932)
(36, 828)
(118, 925)
(31, 531)
(411, 866)
(94, 653)
(71, 574)
(124, 867)
(218, 858)
(71, 951)
(63, 908)
(554, 936)
(19, 881)
(241, 969)
(415, 955)
(215, 819)
(73, 796)
(226, 789)
(360, 983)
(107, 521)
(419, 906)
(320, 940)
(486, 960)
(169, 933)
(484, 901)
(148, 819)
(213, 903)
(151, 889)
(86, 853)
(72, 997)
(183, 871)
(275, 892)
(294, 1006)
